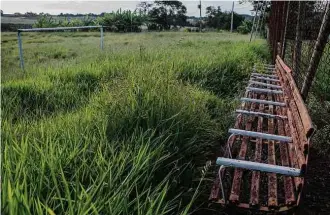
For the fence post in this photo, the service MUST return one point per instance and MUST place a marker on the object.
(285, 30)
(298, 42)
(317, 53)
(101, 29)
(20, 50)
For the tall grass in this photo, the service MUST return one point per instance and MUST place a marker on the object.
(119, 132)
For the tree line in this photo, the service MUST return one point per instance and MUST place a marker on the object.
(157, 15)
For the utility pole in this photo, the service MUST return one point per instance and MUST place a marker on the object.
(200, 15)
(254, 20)
(232, 18)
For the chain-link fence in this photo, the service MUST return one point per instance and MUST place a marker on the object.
(299, 33)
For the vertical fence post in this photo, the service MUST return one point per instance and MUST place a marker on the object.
(317, 53)
(298, 42)
(20, 50)
(101, 29)
(285, 29)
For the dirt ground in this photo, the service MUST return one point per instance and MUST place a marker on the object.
(316, 198)
(317, 186)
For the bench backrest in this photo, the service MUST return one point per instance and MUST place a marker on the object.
(297, 108)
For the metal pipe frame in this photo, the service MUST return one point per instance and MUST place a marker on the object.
(267, 115)
(57, 29)
(263, 167)
(262, 90)
(263, 102)
(221, 184)
(260, 135)
(20, 49)
(266, 79)
(264, 84)
(228, 146)
(19, 31)
(101, 31)
(264, 75)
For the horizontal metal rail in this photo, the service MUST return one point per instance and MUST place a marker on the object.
(264, 75)
(269, 65)
(260, 135)
(267, 115)
(263, 167)
(264, 84)
(265, 79)
(58, 29)
(263, 102)
(262, 90)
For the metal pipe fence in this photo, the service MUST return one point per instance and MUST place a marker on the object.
(19, 36)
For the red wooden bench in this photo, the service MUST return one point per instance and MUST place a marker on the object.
(266, 154)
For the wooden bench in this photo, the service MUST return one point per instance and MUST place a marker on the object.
(266, 154)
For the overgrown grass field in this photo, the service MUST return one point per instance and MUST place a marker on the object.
(127, 130)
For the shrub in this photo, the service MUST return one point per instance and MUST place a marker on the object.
(245, 27)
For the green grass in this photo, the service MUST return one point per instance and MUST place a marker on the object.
(123, 131)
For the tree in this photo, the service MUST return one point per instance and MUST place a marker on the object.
(245, 27)
(144, 7)
(30, 14)
(221, 20)
(45, 21)
(125, 21)
(168, 13)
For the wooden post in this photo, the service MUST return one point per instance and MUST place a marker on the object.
(285, 29)
(317, 53)
(297, 47)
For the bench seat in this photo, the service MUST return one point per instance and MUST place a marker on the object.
(266, 155)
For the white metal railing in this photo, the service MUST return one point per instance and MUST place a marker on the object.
(19, 31)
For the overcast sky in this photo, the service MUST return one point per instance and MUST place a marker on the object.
(56, 7)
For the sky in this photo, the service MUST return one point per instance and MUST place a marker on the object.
(81, 6)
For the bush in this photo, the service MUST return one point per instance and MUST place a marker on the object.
(245, 27)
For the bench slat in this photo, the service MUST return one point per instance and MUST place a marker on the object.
(272, 179)
(255, 182)
(288, 188)
(236, 185)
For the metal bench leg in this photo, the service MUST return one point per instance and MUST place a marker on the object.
(221, 184)
(228, 146)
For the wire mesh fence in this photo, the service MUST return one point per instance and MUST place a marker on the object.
(299, 33)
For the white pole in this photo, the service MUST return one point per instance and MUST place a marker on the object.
(263, 167)
(20, 50)
(101, 37)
